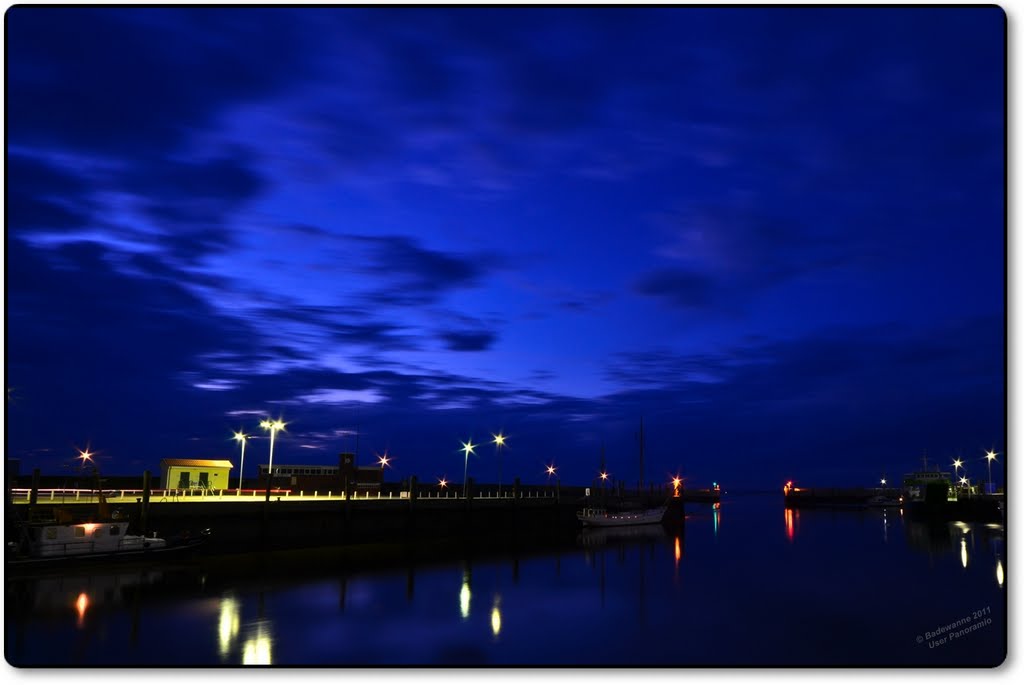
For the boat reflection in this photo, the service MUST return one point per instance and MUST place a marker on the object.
(792, 518)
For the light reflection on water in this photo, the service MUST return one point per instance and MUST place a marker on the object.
(808, 594)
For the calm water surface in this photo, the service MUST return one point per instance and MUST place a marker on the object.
(748, 584)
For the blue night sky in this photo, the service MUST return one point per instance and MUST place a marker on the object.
(775, 234)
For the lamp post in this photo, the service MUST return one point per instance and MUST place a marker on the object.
(990, 455)
(499, 442)
(273, 427)
(467, 449)
(551, 471)
(242, 438)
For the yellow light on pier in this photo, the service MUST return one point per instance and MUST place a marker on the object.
(273, 427)
(242, 438)
(467, 449)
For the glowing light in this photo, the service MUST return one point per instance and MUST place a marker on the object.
(85, 455)
(90, 528)
(383, 461)
(604, 476)
(963, 480)
(495, 618)
(1000, 577)
(676, 481)
(499, 439)
(790, 524)
(679, 551)
(464, 596)
(467, 449)
(273, 427)
(81, 604)
(442, 482)
(242, 438)
(990, 455)
(551, 470)
(883, 481)
(957, 463)
(963, 552)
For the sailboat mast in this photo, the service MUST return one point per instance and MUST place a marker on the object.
(641, 453)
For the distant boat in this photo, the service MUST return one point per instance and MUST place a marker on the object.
(604, 519)
(885, 501)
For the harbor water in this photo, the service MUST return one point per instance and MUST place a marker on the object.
(747, 583)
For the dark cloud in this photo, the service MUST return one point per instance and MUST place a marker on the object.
(134, 82)
(43, 196)
(468, 341)
(678, 286)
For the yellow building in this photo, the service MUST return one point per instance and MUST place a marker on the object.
(183, 474)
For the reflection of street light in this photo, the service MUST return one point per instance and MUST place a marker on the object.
(467, 448)
(242, 438)
(273, 427)
(499, 442)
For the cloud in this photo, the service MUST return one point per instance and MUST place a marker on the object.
(678, 286)
(468, 341)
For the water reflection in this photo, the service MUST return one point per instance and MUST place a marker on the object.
(496, 616)
(227, 625)
(81, 604)
(465, 595)
(792, 516)
(716, 515)
(256, 650)
(598, 582)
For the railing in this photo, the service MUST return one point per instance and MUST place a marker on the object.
(119, 496)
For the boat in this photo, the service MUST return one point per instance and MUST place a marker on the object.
(598, 517)
(57, 539)
(885, 501)
(55, 543)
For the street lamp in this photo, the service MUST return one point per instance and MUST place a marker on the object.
(467, 448)
(551, 471)
(273, 427)
(990, 455)
(85, 455)
(242, 438)
(499, 442)
(883, 481)
(442, 482)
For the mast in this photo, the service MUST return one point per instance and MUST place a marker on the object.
(641, 453)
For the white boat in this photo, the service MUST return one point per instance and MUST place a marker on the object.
(52, 540)
(604, 518)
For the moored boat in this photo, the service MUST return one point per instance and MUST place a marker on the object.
(603, 518)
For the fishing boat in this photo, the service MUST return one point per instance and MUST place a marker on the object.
(55, 538)
(602, 518)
